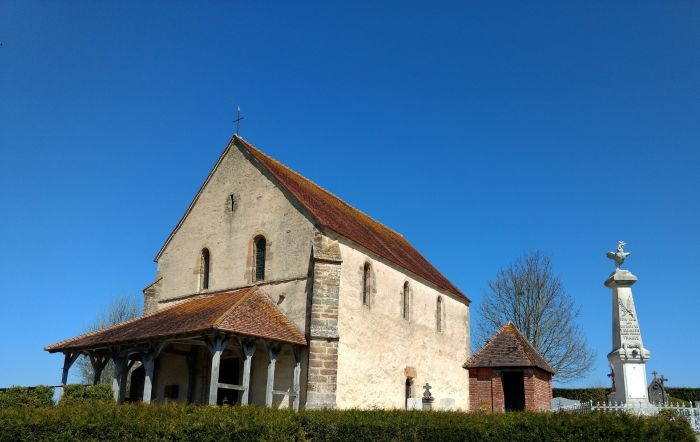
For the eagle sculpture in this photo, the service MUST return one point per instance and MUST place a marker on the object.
(620, 255)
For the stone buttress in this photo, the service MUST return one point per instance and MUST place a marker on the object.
(323, 324)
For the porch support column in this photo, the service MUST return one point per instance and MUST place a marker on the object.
(121, 370)
(216, 347)
(69, 358)
(248, 349)
(297, 372)
(149, 361)
(98, 362)
(273, 350)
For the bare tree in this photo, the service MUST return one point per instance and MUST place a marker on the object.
(122, 308)
(528, 294)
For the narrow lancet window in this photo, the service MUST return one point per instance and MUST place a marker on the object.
(439, 313)
(204, 270)
(260, 245)
(406, 301)
(366, 284)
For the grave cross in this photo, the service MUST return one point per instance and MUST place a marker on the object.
(427, 396)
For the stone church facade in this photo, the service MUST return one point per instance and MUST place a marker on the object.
(301, 300)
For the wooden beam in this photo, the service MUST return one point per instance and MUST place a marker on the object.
(148, 358)
(120, 372)
(216, 347)
(273, 350)
(98, 362)
(68, 359)
(248, 349)
(231, 386)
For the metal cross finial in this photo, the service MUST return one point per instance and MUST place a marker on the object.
(654, 373)
(238, 119)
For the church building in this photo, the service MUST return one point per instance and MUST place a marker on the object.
(272, 291)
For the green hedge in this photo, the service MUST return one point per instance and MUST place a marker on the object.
(601, 394)
(583, 394)
(74, 394)
(40, 396)
(96, 421)
(684, 393)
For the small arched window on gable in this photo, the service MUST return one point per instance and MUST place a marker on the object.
(406, 301)
(204, 266)
(439, 315)
(366, 284)
(260, 245)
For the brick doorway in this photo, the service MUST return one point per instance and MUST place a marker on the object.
(513, 390)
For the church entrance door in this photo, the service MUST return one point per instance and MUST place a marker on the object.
(514, 390)
(229, 373)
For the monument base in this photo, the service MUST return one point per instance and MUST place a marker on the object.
(630, 380)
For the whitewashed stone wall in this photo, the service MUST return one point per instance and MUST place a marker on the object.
(377, 345)
(260, 208)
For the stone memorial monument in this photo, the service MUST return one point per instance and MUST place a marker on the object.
(628, 356)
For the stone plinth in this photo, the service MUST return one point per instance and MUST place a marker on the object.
(628, 357)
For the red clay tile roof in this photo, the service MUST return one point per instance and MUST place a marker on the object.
(508, 348)
(245, 311)
(333, 213)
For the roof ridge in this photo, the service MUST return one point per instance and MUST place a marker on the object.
(251, 146)
(525, 346)
(251, 291)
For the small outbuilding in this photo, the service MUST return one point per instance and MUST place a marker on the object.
(508, 374)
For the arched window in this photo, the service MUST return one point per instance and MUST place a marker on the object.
(204, 270)
(406, 301)
(439, 313)
(366, 284)
(260, 244)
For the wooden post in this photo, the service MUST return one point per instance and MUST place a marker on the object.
(149, 362)
(121, 369)
(68, 359)
(297, 373)
(98, 362)
(273, 350)
(248, 349)
(216, 347)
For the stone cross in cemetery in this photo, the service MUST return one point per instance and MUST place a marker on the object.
(628, 356)
(427, 397)
(657, 389)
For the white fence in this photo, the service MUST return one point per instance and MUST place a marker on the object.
(687, 410)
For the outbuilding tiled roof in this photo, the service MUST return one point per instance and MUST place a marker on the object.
(335, 214)
(508, 348)
(246, 311)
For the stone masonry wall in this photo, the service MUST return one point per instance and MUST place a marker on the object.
(377, 344)
(323, 325)
(226, 228)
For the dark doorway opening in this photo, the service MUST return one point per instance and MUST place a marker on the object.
(514, 390)
(409, 391)
(229, 373)
(138, 378)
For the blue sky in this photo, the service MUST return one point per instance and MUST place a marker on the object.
(477, 130)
